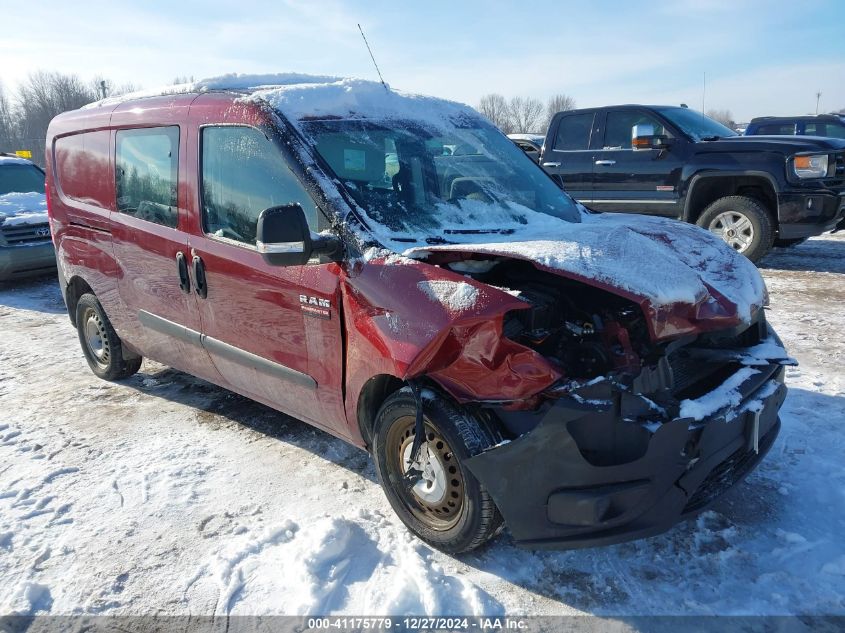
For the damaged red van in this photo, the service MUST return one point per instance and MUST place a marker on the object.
(393, 270)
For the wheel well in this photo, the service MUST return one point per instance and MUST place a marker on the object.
(375, 391)
(76, 287)
(707, 190)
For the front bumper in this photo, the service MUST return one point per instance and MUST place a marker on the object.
(27, 260)
(555, 493)
(806, 214)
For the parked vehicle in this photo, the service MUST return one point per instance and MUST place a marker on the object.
(25, 246)
(829, 125)
(503, 354)
(531, 144)
(752, 192)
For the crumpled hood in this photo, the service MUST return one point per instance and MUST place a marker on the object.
(684, 277)
(23, 208)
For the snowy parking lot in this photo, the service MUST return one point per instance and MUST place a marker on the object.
(165, 494)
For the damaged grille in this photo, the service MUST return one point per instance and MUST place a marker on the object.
(693, 376)
(26, 233)
(728, 473)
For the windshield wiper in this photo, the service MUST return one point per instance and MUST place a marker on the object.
(478, 231)
(712, 137)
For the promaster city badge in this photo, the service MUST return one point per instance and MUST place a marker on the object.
(315, 307)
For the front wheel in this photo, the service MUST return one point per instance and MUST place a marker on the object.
(743, 223)
(435, 496)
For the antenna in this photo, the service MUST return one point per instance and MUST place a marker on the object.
(818, 96)
(373, 58)
(703, 92)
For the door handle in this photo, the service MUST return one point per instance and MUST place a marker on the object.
(551, 164)
(182, 268)
(605, 163)
(200, 283)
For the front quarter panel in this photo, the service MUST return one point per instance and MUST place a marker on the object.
(408, 319)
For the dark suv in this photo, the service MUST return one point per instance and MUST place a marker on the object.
(830, 125)
(672, 161)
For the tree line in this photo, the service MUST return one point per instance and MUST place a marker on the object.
(26, 112)
(523, 115)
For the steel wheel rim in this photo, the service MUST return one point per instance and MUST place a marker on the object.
(735, 229)
(437, 499)
(95, 337)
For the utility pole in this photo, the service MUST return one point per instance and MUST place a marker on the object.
(818, 96)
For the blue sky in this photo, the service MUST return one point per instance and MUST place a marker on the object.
(760, 57)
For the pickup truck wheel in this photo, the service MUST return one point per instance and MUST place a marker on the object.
(743, 223)
(436, 497)
(100, 343)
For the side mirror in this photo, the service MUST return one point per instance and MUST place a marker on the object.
(643, 137)
(283, 237)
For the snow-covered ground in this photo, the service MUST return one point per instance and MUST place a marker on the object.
(167, 495)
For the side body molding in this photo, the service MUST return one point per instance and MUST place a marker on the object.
(229, 352)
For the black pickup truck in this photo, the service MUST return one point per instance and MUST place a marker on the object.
(753, 191)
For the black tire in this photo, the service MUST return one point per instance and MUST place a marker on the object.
(757, 233)
(466, 516)
(100, 343)
(792, 242)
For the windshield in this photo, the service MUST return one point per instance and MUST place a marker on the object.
(21, 179)
(459, 178)
(696, 125)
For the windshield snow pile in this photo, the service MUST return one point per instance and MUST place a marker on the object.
(23, 208)
(419, 168)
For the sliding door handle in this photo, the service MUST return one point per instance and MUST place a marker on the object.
(551, 164)
(605, 163)
(182, 269)
(200, 283)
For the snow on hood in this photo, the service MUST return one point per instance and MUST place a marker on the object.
(664, 261)
(23, 208)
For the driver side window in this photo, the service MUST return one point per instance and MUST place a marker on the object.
(618, 127)
(243, 173)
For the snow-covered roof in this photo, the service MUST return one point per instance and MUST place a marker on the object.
(300, 96)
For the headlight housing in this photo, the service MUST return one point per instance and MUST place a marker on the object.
(810, 165)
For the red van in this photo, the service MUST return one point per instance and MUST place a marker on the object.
(393, 270)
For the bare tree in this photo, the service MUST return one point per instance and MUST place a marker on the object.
(184, 79)
(8, 128)
(558, 103)
(722, 116)
(495, 108)
(41, 97)
(526, 114)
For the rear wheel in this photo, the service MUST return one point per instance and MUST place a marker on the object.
(435, 496)
(100, 343)
(743, 223)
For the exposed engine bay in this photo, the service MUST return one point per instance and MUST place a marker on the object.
(587, 332)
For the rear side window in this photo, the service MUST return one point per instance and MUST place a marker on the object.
(573, 133)
(777, 129)
(619, 127)
(824, 129)
(21, 179)
(146, 167)
(82, 165)
(243, 173)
